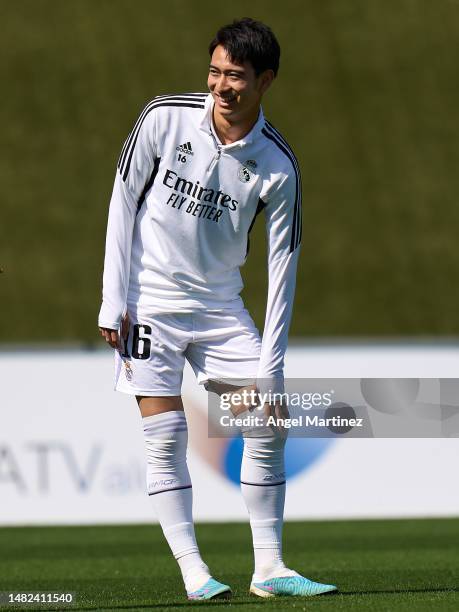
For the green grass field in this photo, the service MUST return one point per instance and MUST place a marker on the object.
(398, 565)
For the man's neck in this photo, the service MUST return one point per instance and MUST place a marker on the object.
(229, 132)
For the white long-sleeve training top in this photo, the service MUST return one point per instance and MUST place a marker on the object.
(182, 208)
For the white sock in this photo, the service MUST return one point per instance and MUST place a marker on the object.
(169, 488)
(263, 490)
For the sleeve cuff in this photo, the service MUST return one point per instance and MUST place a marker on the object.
(108, 324)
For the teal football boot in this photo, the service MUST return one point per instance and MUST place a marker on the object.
(291, 584)
(211, 590)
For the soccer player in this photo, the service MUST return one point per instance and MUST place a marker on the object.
(193, 175)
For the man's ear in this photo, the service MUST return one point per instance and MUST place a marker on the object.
(265, 80)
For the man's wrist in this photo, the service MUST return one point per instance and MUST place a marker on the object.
(270, 385)
(108, 325)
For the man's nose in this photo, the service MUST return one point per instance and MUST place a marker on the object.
(222, 83)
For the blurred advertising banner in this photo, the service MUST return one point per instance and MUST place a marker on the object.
(71, 449)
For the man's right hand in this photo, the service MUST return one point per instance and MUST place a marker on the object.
(112, 336)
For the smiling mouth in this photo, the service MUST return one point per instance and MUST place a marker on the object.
(227, 100)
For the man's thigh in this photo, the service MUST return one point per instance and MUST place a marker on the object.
(239, 399)
(226, 348)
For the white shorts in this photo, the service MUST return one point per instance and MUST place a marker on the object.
(218, 345)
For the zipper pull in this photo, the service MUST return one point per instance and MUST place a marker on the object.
(215, 159)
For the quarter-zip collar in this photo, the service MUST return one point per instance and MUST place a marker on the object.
(206, 124)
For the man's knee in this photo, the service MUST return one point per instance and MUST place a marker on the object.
(150, 406)
(166, 439)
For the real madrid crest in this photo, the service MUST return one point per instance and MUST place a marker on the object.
(247, 170)
(127, 370)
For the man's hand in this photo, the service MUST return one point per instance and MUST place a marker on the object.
(112, 336)
(280, 412)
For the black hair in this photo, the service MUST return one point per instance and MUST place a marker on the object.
(249, 40)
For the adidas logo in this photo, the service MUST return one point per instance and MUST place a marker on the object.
(185, 148)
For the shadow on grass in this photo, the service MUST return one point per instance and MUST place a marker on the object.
(399, 591)
(159, 606)
(257, 601)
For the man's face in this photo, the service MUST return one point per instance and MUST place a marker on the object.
(236, 89)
